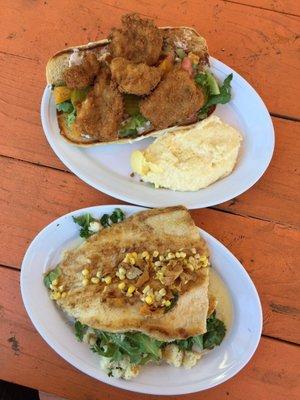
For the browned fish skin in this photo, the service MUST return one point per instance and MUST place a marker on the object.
(176, 98)
(80, 76)
(159, 230)
(138, 79)
(101, 113)
(139, 40)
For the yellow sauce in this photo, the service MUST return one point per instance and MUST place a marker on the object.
(218, 289)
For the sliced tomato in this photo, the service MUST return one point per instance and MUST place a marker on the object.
(187, 65)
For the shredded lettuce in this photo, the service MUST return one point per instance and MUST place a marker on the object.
(131, 127)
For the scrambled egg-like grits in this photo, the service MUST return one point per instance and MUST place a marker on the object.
(191, 158)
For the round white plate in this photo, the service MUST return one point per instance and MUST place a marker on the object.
(107, 168)
(217, 366)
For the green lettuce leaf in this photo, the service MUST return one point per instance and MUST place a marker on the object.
(130, 128)
(106, 220)
(50, 276)
(204, 80)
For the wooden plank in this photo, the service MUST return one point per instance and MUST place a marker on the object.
(276, 195)
(258, 43)
(282, 6)
(28, 360)
(269, 251)
(273, 197)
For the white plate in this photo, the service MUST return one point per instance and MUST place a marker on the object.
(108, 168)
(216, 367)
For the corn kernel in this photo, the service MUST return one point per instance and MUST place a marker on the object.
(56, 295)
(98, 274)
(177, 254)
(170, 256)
(107, 279)
(190, 267)
(157, 263)
(95, 280)
(149, 299)
(131, 289)
(145, 255)
(61, 288)
(121, 285)
(134, 255)
(182, 254)
(122, 271)
(131, 260)
(92, 341)
(197, 256)
(191, 259)
(121, 277)
(85, 281)
(161, 258)
(194, 251)
(155, 253)
(167, 303)
(146, 289)
(54, 282)
(63, 295)
(85, 272)
(162, 291)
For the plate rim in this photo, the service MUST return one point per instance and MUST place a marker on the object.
(106, 188)
(132, 385)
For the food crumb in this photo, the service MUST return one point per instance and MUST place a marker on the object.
(132, 174)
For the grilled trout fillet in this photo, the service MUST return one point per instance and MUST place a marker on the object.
(160, 256)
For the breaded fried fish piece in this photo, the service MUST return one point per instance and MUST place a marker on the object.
(133, 245)
(138, 79)
(176, 98)
(100, 114)
(139, 40)
(82, 75)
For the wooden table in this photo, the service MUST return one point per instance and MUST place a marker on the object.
(259, 39)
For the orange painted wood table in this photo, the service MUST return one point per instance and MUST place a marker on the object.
(258, 38)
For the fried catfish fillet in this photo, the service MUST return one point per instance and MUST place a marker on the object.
(80, 76)
(175, 99)
(143, 237)
(138, 79)
(100, 114)
(139, 40)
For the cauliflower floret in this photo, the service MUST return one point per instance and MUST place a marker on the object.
(89, 337)
(119, 369)
(173, 355)
(190, 359)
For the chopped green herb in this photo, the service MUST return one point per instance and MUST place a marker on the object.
(84, 221)
(50, 276)
(106, 220)
(80, 330)
(117, 215)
